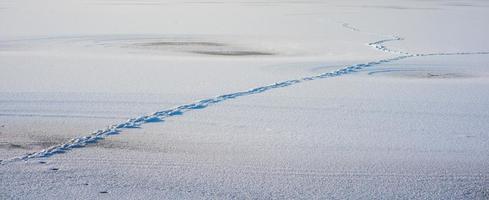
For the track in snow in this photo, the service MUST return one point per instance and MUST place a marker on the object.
(160, 116)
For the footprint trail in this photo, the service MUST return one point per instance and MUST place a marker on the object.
(160, 116)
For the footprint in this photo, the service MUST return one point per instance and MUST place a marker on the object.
(103, 192)
(54, 169)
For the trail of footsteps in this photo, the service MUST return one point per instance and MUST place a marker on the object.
(379, 45)
(162, 115)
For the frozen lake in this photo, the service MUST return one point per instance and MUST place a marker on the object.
(155, 99)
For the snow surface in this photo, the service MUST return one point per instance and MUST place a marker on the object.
(235, 100)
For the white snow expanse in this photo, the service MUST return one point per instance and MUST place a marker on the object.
(272, 99)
